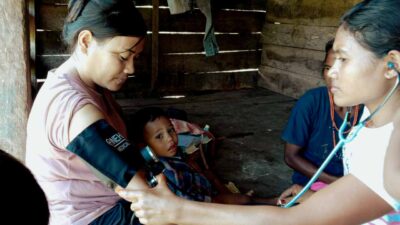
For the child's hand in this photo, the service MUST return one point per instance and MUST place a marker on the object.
(292, 191)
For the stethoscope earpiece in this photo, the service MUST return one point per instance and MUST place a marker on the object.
(391, 65)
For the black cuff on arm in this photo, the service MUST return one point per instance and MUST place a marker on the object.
(106, 150)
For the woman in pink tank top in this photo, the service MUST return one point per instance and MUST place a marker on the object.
(68, 150)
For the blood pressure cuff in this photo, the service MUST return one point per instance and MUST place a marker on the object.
(107, 151)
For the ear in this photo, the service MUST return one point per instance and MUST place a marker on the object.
(392, 63)
(85, 37)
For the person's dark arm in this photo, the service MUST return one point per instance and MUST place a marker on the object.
(242, 199)
(296, 161)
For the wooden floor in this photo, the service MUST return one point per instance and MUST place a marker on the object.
(247, 124)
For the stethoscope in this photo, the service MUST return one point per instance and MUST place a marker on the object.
(344, 140)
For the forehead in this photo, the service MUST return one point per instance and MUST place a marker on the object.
(125, 43)
(346, 43)
(157, 124)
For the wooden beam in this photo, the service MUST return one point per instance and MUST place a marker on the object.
(15, 84)
(32, 44)
(154, 44)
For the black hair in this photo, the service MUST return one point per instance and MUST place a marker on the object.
(20, 193)
(328, 47)
(141, 118)
(104, 18)
(375, 25)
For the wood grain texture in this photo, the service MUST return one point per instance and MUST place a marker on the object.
(287, 83)
(305, 62)
(238, 26)
(308, 12)
(50, 42)
(15, 97)
(298, 36)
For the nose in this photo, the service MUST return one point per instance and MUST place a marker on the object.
(168, 137)
(130, 67)
(333, 72)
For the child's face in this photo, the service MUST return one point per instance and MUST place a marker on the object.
(161, 137)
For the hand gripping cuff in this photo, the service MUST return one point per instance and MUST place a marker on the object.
(106, 150)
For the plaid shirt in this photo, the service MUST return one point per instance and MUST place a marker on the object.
(185, 182)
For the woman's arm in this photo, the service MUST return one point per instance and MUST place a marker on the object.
(347, 201)
(88, 115)
(296, 161)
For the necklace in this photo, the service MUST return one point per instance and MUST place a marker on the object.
(332, 112)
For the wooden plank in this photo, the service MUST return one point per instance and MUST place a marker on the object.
(49, 42)
(199, 63)
(239, 4)
(179, 83)
(301, 61)
(220, 4)
(308, 12)
(224, 21)
(15, 94)
(150, 2)
(182, 63)
(175, 43)
(154, 44)
(226, 4)
(46, 62)
(65, 2)
(59, 2)
(32, 44)
(285, 82)
(52, 16)
(206, 82)
(298, 36)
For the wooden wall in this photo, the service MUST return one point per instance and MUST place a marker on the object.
(182, 64)
(294, 37)
(15, 92)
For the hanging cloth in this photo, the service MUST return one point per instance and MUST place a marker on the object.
(209, 40)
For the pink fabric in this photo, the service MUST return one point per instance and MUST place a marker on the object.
(75, 194)
(182, 126)
(318, 185)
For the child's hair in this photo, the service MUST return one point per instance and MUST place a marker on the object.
(20, 193)
(104, 18)
(141, 118)
(375, 25)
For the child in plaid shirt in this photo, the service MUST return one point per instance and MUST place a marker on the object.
(152, 127)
